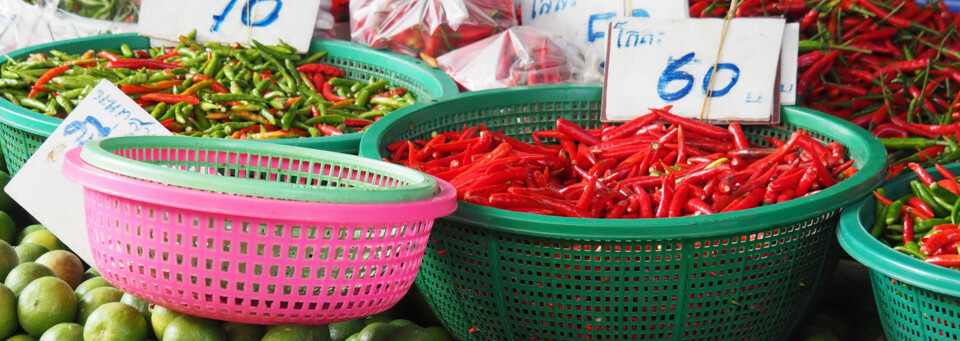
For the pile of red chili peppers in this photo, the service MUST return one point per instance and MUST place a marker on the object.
(641, 169)
(892, 67)
(923, 223)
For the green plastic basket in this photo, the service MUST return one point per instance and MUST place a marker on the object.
(751, 274)
(258, 169)
(916, 300)
(23, 131)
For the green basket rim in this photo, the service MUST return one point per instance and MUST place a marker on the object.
(99, 153)
(36, 123)
(868, 177)
(879, 257)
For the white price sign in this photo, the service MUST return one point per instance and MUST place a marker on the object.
(229, 21)
(652, 63)
(584, 23)
(788, 64)
(41, 188)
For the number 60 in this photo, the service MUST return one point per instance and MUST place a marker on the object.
(245, 16)
(672, 74)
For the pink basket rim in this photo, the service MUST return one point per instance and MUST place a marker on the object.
(88, 176)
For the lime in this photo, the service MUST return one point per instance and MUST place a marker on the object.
(8, 229)
(439, 334)
(8, 312)
(340, 331)
(243, 331)
(410, 333)
(191, 328)
(377, 319)
(160, 318)
(45, 238)
(91, 273)
(67, 331)
(23, 274)
(28, 230)
(22, 337)
(92, 300)
(402, 323)
(353, 337)
(6, 202)
(377, 331)
(115, 321)
(46, 302)
(288, 332)
(89, 285)
(65, 264)
(321, 332)
(142, 306)
(8, 259)
(29, 252)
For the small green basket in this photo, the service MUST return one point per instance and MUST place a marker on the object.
(916, 300)
(502, 275)
(23, 131)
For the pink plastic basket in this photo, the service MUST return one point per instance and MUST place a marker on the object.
(253, 260)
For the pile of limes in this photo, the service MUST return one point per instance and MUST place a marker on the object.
(47, 293)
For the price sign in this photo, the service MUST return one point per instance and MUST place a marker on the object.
(584, 23)
(652, 63)
(42, 189)
(788, 64)
(229, 21)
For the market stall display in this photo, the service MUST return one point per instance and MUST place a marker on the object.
(231, 256)
(506, 275)
(916, 298)
(23, 130)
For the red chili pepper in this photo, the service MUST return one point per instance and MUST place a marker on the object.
(944, 260)
(921, 206)
(329, 130)
(574, 132)
(892, 19)
(152, 64)
(907, 228)
(108, 56)
(171, 98)
(903, 66)
(936, 241)
(327, 92)
(391, 93)
(215, 86)
(328, 70)
(170, 54)
(45, 78)
(694, 126)
(924, 176)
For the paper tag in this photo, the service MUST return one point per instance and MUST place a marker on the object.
(41, 188)
(652, 63)
(788, 64)
(229, 21)
(584, 23)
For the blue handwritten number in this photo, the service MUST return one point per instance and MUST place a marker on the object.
(672, 74)
(245, 18)
(245, 15)
(726, 89)
(640, 13)
(81, 128)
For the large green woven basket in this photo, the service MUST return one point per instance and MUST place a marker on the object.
(916, 300)
(512, 276)
(23, 131)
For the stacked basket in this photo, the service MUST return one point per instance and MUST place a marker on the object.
(916, 300)
(492, 274)
(253, 232)
(23, 131)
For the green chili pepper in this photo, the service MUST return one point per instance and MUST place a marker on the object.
(923, 192)
(879, 220)
(894, 211)
(910, 250)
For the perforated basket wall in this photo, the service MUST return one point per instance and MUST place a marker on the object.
(916, 301)
(491, 274)
(23, 130)
(253, 260)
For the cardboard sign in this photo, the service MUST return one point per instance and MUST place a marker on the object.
(584, 23)
(652, 63)
(788, 64)
(229, 21)
(41, 188)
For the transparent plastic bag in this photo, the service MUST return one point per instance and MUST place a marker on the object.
(519, 56)
(126, 11)
(24, 24)
(434, 27)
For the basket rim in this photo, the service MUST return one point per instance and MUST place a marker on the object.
(36, 123)
(854, 138)
(93, 178)
(876, 256)
(100, 154)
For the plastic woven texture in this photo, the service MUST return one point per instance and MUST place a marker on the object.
(751, 274)
(259, 170)
(253, 260)
(23, 130)
(916, 300)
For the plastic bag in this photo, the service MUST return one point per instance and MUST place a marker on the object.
(434, 27)
(519, 56)
(24, 24)
(126, 11)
